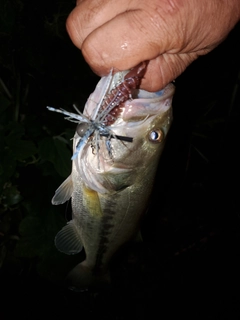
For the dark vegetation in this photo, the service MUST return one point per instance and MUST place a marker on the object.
(188, 264)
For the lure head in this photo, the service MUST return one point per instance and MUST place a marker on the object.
(82, 128)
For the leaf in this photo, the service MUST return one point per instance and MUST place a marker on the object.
(56, 151)
(33, 241)
(13, 131)
(33, 127)
(62, 158)
(23, 149)
(4, 104)
(8, 165)
(7, 16)
(37, 231)
(47, 169)
(46, 149)
(11, 196)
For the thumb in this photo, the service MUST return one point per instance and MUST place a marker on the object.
(125, 41)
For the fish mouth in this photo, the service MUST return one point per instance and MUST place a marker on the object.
(145, 104)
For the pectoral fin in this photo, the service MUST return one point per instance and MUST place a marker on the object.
(68, 240)
(64, 192)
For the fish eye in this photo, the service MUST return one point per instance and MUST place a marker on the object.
(156, 135)
(82, 128)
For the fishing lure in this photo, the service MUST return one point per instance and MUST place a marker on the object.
(106, 112)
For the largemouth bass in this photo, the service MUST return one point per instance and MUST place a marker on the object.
(113, 169)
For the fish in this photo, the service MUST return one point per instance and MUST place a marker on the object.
(116, 151)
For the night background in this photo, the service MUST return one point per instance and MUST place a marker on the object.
(189, 262)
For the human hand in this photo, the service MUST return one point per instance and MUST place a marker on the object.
(169, 33)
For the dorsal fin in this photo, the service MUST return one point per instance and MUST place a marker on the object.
(68, 239)
(64, 192)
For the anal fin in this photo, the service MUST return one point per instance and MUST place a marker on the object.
(68, 239)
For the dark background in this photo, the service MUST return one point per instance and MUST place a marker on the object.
(188, 264)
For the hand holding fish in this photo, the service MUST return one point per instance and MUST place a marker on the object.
(170, 34)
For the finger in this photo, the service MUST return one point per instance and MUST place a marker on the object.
(164, 69)
(115, 34)
(124, 41)
(157, 74)
(92, 14)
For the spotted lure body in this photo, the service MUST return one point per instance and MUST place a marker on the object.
(116, 148)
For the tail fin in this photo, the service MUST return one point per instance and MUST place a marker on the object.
(82, 277)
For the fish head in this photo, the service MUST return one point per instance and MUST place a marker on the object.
(147, 119)
(109, 163)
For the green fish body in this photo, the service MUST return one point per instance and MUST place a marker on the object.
(111, 182)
